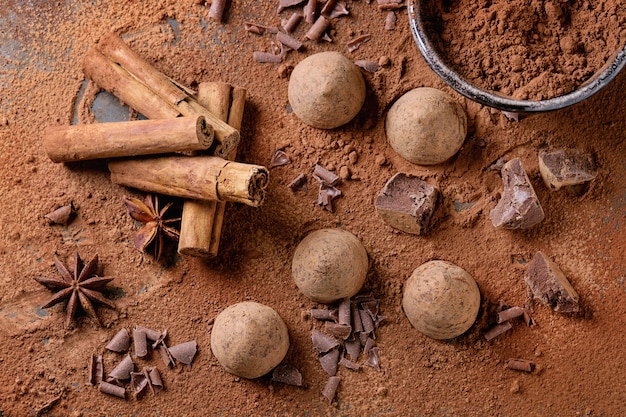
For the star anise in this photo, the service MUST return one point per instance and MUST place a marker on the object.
(81, 288)
(155, 225)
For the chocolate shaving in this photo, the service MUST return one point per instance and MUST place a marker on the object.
(330, 389)
(520, 365)
(373, 358)
(368, 345)
(391, 4)
(138, 383)
(355, 43)
(112, 389)
(298, 183)
(283, 4)
(287, 374)
(279, 158)
(96, 370)
(259, 29)
(166, 356)
(154, 377)
(152, 335)
(349, 364)
(216, 11)
(371, 307)
(353, 348)
(325, 176)
(549, 284)
(390, 20)
(330, 361)
(369, 66)
(292, 23)
(63, 215)
(309, 11)
(288, 41)
(334, 9)
(120, 342)
(343, 311)
(368, 322)
(497, 330)
(122, 371)
(184, 352)
(266, 57)
(528, 319)
(141, 343)
(340, 331)
(326, 196)
(510, 314)
(318, 29)
(363, 338)
(160, 339)
(357, 324)
(326, 37)
(324, 314)
(322, 342)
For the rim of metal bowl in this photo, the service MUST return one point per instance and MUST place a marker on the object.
(594, 84)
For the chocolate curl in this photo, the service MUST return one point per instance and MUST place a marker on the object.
(390, 21)
(266, 57)
(141, 343)
(344, 312)
(349, 364)
(120, 342)
(334, 9)
(326, 195)
(520, 365)
(368, 322)
(154, 377)
(122, 371)
(371, 307)
(216, 11)
(357, 324)
(288, 41)
(166, 357)
(331, 388)
(279, 158)
(96, 370)
(160, 339)
(259, 29)
(340, 331)
(353, 348)
(287, 374)
(318, 29)
(497, 330)
(330, 361)
(325, 176)
(369, 345)
(373, 358)
(112, 389)
(283, 4)
(152, 335)
(355, 43)
(322, 342)
(138, 383)
(510, 314)
(298, 183)
(528, 319)
(324, 314)
(63, 215)
(309, 11)
(184, 352)
(369, 66)
(292, 23)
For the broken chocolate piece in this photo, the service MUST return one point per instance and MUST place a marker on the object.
(279, 158)
(63, 215)
(549, 284)
(96, 370)
(166, 356)
(407, 203)
(565, 167)
(371, 307)
(322, 342)
(497, 330)
(330, 361)
(353, 348)
(349, 364)
(120, 342)
(340, 331)
(324, 314)
(390, 20)
(140, 341)
(373, 358)
(122, 371)
(138, 383)
(326, 196)
(520, 365)
(344, 311)
(356, 43)
(154, 379)
(184, 352)
(331, 388)
(287, 374)
(299, 183)
(510, 313)
(519, 207)
(324, 176)
(112, 389)
(369, 66)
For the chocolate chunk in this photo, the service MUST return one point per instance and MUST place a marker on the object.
(112, 389)
(330, 361)
(565, 167)
(520, 365)
(390, 20)
(331, 388)
(334, 9)
(279, 158)
(497, 330)
(369, 345)
(324, 314)
(326, 196)
(287, 374)
(519, 207)
(140, 341)
(340, 331)
(548, 284)
(96, 370)
(356, 43)
(184, 352)
(322, 342)
(407, 203)
(120, 342)
(122, 371)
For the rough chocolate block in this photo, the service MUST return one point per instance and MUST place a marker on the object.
(565, 167)
(548, 284)
(407, 203)
(519, 207)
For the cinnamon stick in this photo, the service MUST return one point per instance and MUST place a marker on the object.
(118, 139)
(194, 177)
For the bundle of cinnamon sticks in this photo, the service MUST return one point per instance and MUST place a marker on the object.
(186, 149)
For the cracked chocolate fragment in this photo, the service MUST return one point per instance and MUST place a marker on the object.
(368, 323)
(510, 313)
(287, 374)
(565, 167)
(330, 361)
(519, 207)
(184, 352)
(369, 66)
(62, 216)
(326, 196)
(407, 203)
(152, 335)
(549, 284)
(279, 158)
(120, 342)
(166, 356)
(331, 388)
(322, 342)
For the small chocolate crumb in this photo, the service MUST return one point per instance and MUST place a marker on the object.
(299, 183)
(391, 4)
(322, 342)
(325, 176)
(549, 284)
(334, 9)
(283, 4)
(166, 356)
(290, 24)
(120, 342)
(287, 374)
(184, 352)
(353, 348)
(331, 388)
(288, 41)
(330, 361)
(497, 330)
(112, 389)
(326, 195)
(152, 335)
(216, 10)
(267, 57)
(368, 322)
(368, 345)
(279, 158)
(520, 365)
(259, 29)
(318, 30)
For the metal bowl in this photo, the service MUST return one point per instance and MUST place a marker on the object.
(419, 20)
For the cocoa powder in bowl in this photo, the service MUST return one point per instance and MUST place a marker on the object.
(527, 49)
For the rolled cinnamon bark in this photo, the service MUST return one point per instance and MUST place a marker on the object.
(195, 177)
(119, 139)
